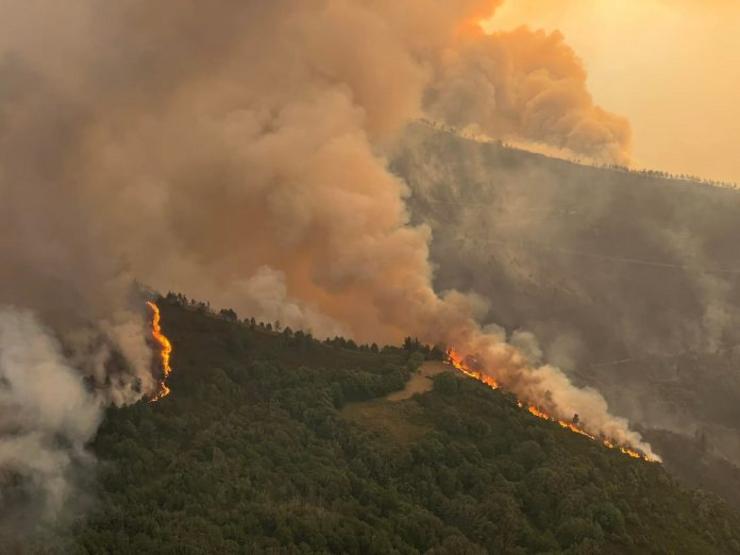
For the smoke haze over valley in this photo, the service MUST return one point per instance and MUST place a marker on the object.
(628, 280)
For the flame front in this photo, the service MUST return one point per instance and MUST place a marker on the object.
(165, 350)
(458, 362)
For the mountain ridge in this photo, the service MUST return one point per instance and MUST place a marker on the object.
(253, 450)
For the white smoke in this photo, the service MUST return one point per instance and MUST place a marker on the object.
(266, 297)
(48, 416)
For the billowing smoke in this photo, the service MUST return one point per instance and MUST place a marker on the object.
(526, 85)
(235, 151)
(57, 268)
(47, 418)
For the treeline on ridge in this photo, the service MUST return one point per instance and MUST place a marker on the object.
(255, 452)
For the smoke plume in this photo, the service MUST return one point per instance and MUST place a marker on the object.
(526, 85)
(235, 151)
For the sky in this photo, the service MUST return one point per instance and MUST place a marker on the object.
(672, 67)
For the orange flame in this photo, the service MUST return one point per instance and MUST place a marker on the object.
(458, 362)
(165, 351)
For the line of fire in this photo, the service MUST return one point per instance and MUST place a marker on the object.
(458, 362)
(454, 358)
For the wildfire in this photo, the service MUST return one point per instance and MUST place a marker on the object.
(165, 351)
(459, 363)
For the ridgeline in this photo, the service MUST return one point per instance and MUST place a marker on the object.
(274, 442)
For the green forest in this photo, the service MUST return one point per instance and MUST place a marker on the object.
(274, 442)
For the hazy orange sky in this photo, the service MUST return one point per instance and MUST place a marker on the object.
(671, 66)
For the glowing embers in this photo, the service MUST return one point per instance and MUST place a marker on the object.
(165, 352)
(470, 368)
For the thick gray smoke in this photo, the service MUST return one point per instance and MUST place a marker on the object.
(234, 151)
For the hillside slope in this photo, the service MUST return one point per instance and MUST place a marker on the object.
(629, 281)
(274, 442)
(631, 263)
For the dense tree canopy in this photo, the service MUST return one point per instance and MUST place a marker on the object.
(275, 442)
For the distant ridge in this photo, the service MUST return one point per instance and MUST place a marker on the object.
(566, 155)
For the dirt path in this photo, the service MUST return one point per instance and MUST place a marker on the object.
(420, 382)
(389, 416)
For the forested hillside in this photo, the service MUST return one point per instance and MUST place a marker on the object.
(273, 442)
(629, 281)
